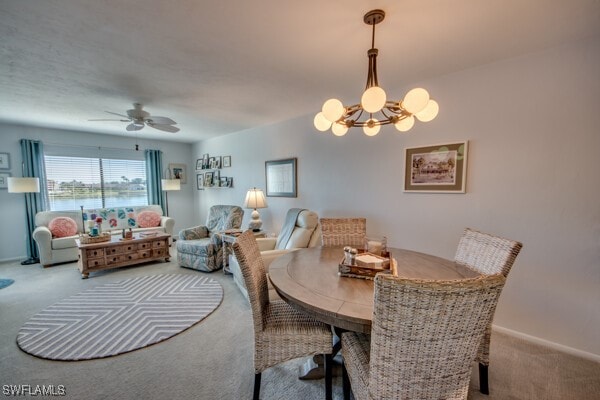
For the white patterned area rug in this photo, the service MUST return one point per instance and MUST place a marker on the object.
(119, 317)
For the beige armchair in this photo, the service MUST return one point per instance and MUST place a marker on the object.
(301, 229)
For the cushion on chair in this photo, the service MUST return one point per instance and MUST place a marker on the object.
(148, 219)
(197, 247)
(305, 227)
(62, 227)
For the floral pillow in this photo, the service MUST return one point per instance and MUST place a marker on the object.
(62, 227)
(148, 219)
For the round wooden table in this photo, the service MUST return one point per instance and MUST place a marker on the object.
(308, 280)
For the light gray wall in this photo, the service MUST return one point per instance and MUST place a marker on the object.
(12, 231)
(533, 176)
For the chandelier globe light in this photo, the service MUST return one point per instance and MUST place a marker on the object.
(416, 103)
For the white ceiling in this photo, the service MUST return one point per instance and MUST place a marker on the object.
(218, 67)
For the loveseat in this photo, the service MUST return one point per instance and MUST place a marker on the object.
(54, 250)
(301, 229)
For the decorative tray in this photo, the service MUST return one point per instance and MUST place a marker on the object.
(87, 239)
(367, 266)
(148, 234)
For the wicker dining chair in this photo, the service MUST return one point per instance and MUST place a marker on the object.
(343, 231)
(424, 337)
(281, 332)
(489, 255)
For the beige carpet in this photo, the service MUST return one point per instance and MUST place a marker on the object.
(213, 359)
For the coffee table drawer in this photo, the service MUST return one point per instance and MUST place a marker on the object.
(94, 253)
(144, 253)
(130, 247)
(159, 252)
(119, 258)
(115, 250)
(159, 244)
(95, 262)
(144, 245)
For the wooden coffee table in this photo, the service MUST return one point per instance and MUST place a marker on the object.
(119, 252)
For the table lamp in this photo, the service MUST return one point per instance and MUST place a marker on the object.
(167, 186)
(255, 198)
(25, 185)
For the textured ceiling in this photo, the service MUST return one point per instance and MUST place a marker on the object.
(218, 67)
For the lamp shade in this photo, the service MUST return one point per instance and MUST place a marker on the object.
(170, 184)
(23, 185)
(255, 198)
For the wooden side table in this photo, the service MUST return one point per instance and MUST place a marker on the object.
(228, 239)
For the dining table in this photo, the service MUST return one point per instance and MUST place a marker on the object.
(308, 280)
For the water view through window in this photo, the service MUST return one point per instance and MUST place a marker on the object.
(94, 182)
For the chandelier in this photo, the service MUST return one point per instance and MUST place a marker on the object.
(374, 109)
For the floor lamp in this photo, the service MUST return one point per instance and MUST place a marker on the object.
(169, 185)
(25, 185)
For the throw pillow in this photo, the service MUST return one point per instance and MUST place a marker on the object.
(148, 219)
(62, 227)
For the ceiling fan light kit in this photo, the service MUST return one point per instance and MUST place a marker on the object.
(138, 118)
(401, 114)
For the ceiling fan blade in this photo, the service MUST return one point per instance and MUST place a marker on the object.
(133, 127)
(160, 121)
(114, 113)
(166, 128)
(120, 120)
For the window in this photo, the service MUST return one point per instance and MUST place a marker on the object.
(94, 182)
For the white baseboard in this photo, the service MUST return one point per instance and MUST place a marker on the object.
(547, 343)
(13, 259)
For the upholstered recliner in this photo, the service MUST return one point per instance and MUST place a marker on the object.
(300, 229)
(201, 247)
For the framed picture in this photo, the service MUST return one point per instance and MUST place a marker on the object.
(226, 161)
(230, 182)
(211, 163)
(4, 180)
(198, 164)
(438, 168)
(200, 181)
(218, 162)
(205, 161)
(208, 179)
(223, 181)
(281, 178)
(178, 172)
(4, 161)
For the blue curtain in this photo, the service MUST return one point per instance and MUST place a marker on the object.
(153, 177)
(32, 154)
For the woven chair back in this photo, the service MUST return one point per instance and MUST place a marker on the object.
(425, 335)
(255, 277)
(487, 254)
(343, 232)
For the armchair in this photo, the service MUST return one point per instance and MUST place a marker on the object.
(200, 247)
(300, 229)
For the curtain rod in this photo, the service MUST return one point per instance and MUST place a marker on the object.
(89, 147)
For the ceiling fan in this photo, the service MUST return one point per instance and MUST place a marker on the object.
(138, 118)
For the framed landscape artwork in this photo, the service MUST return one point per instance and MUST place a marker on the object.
(178, 172)
(436, 169)
(281, 178)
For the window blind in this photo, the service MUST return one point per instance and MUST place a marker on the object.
(94, 182)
